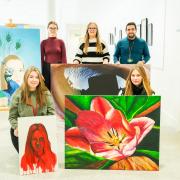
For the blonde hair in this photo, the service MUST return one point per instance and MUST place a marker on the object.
(98, 42)
(145, 81)
(40, 90)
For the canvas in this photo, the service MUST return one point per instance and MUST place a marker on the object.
(69, 79)
(112, 132)
(19, 49)
(37, 144)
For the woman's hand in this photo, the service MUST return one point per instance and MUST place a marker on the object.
(76, 62)
(16, 132)
(105, 61)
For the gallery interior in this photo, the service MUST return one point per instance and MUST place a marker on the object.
(111, 16)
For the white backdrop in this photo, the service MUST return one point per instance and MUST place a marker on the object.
(164, 14)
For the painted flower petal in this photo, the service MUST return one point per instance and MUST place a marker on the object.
(117, 120)
(143, 126)
(112, 154)
(101, 106)
(92, 125)
(74, 138)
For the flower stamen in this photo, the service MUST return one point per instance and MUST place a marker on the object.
(114, 139)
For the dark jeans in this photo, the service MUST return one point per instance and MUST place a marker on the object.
(15, 140)
(46, 72)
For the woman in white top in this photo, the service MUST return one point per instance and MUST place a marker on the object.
(92, 50)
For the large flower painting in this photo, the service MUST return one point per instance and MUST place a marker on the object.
(112, 132)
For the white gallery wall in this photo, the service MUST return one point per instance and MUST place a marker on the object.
(164, 15)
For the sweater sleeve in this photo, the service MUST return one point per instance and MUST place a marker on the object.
(79, 53)
(50, 104)
(106, 54)
(13, 111)
(63, 54)
(146, 55)
(42, 53)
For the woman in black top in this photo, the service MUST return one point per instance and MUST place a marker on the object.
(137, 82)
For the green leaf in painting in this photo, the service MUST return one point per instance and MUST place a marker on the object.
(82, 102)
(153, 154)
(78, 159)
(69, 119)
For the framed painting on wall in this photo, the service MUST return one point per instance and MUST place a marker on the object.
(138, 33)
(150, 34)
(144, 29)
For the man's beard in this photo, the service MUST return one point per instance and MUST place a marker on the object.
(131, 36)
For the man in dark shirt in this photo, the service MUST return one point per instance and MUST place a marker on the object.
(131, 50)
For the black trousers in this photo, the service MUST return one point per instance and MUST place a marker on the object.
(15, 140)
(46, 72)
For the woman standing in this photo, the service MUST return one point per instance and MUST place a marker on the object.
(92, 50)
(31, 99)
(137, 82)
(53, 51)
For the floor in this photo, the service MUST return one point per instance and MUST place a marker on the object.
(169, 160)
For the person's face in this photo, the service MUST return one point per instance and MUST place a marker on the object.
(38, 142)
(131, 31)
(33, 80)
(52, 30)
(92, 30)
(136, 78)
(16, 67)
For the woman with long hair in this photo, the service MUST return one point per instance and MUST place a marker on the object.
(31, 99)
(53, 51)
(92, 50)
(137, 82)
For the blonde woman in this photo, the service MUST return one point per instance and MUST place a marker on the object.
(31, 99)
(137, 82)
(92, 50)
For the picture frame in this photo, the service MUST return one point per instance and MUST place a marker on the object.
(138, 32)
(150, 34)
(120, 34)
(144, 29)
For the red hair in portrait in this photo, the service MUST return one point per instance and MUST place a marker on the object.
(38, 154)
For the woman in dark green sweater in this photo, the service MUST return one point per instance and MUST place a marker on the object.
(31, 99)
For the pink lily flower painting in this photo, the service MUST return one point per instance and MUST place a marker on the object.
(105, 132)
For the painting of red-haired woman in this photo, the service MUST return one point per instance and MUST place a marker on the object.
(38, 156)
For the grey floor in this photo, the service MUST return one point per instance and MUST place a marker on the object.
(169, 160)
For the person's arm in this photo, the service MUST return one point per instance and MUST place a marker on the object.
(42, 54)
(106, 55)
(13, 111)
(117, 54)
(146, 54)
(50, 104)
(79, 54)
(63, 54)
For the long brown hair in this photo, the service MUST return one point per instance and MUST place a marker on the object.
(98, 42)
(40, 90)
(145, 81)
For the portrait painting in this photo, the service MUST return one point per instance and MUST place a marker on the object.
(37, 144)
(19, 49)
(104, 79)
